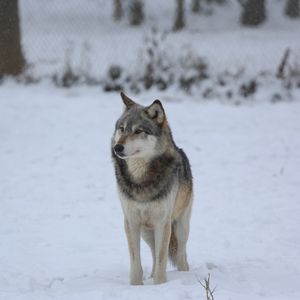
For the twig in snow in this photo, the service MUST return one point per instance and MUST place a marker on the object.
(208, 290)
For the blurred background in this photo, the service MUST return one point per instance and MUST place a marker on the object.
(225, 49)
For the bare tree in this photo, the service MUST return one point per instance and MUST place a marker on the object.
(12, 61)
(196, 6)
(292, 8)
(254, 12)
(136, 12)
(179, 22)
(117, 10)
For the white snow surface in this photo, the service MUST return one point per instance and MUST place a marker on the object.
(61, 223)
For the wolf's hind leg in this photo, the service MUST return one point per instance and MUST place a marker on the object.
(181, 229)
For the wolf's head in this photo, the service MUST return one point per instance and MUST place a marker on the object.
(141, 132)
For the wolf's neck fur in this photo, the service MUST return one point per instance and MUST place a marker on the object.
(141, 168)
(137, 167)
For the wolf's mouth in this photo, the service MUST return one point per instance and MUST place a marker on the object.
(120, 155)
(123, 156)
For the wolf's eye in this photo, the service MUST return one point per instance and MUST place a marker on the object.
(138, 131)
(121, 128)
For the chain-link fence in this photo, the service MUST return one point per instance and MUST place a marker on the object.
(88, 40)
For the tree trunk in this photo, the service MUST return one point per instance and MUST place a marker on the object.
(254, 12)
(118, 11)
(136, 12)
(292, 8)
(179, 15)
(12, 61)
(220, 2)
(196, 7)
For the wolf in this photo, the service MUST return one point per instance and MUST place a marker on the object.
(155, 187)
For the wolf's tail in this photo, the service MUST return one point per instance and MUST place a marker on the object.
(173, 247)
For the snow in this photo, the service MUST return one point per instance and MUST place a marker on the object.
(61, 223)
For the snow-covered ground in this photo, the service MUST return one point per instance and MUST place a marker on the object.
(60, 219)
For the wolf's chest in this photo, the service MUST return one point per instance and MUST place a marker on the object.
(149, 214)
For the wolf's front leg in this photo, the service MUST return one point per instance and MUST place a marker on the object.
(162, 238)
(133, 233)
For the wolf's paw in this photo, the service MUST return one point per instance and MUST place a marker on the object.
(136, 278)
(136, 282)
(159, 278)
(182, 264)
(183, 267)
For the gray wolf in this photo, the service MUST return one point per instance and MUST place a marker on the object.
(154, 182)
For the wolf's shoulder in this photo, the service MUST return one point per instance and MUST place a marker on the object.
(185, 167)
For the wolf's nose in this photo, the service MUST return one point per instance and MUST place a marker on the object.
(118, 148)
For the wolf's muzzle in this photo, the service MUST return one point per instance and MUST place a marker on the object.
(118, 148)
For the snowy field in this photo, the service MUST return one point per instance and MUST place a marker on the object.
(61, 222)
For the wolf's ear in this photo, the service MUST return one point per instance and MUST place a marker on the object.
(127, 101)
(156, 112)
